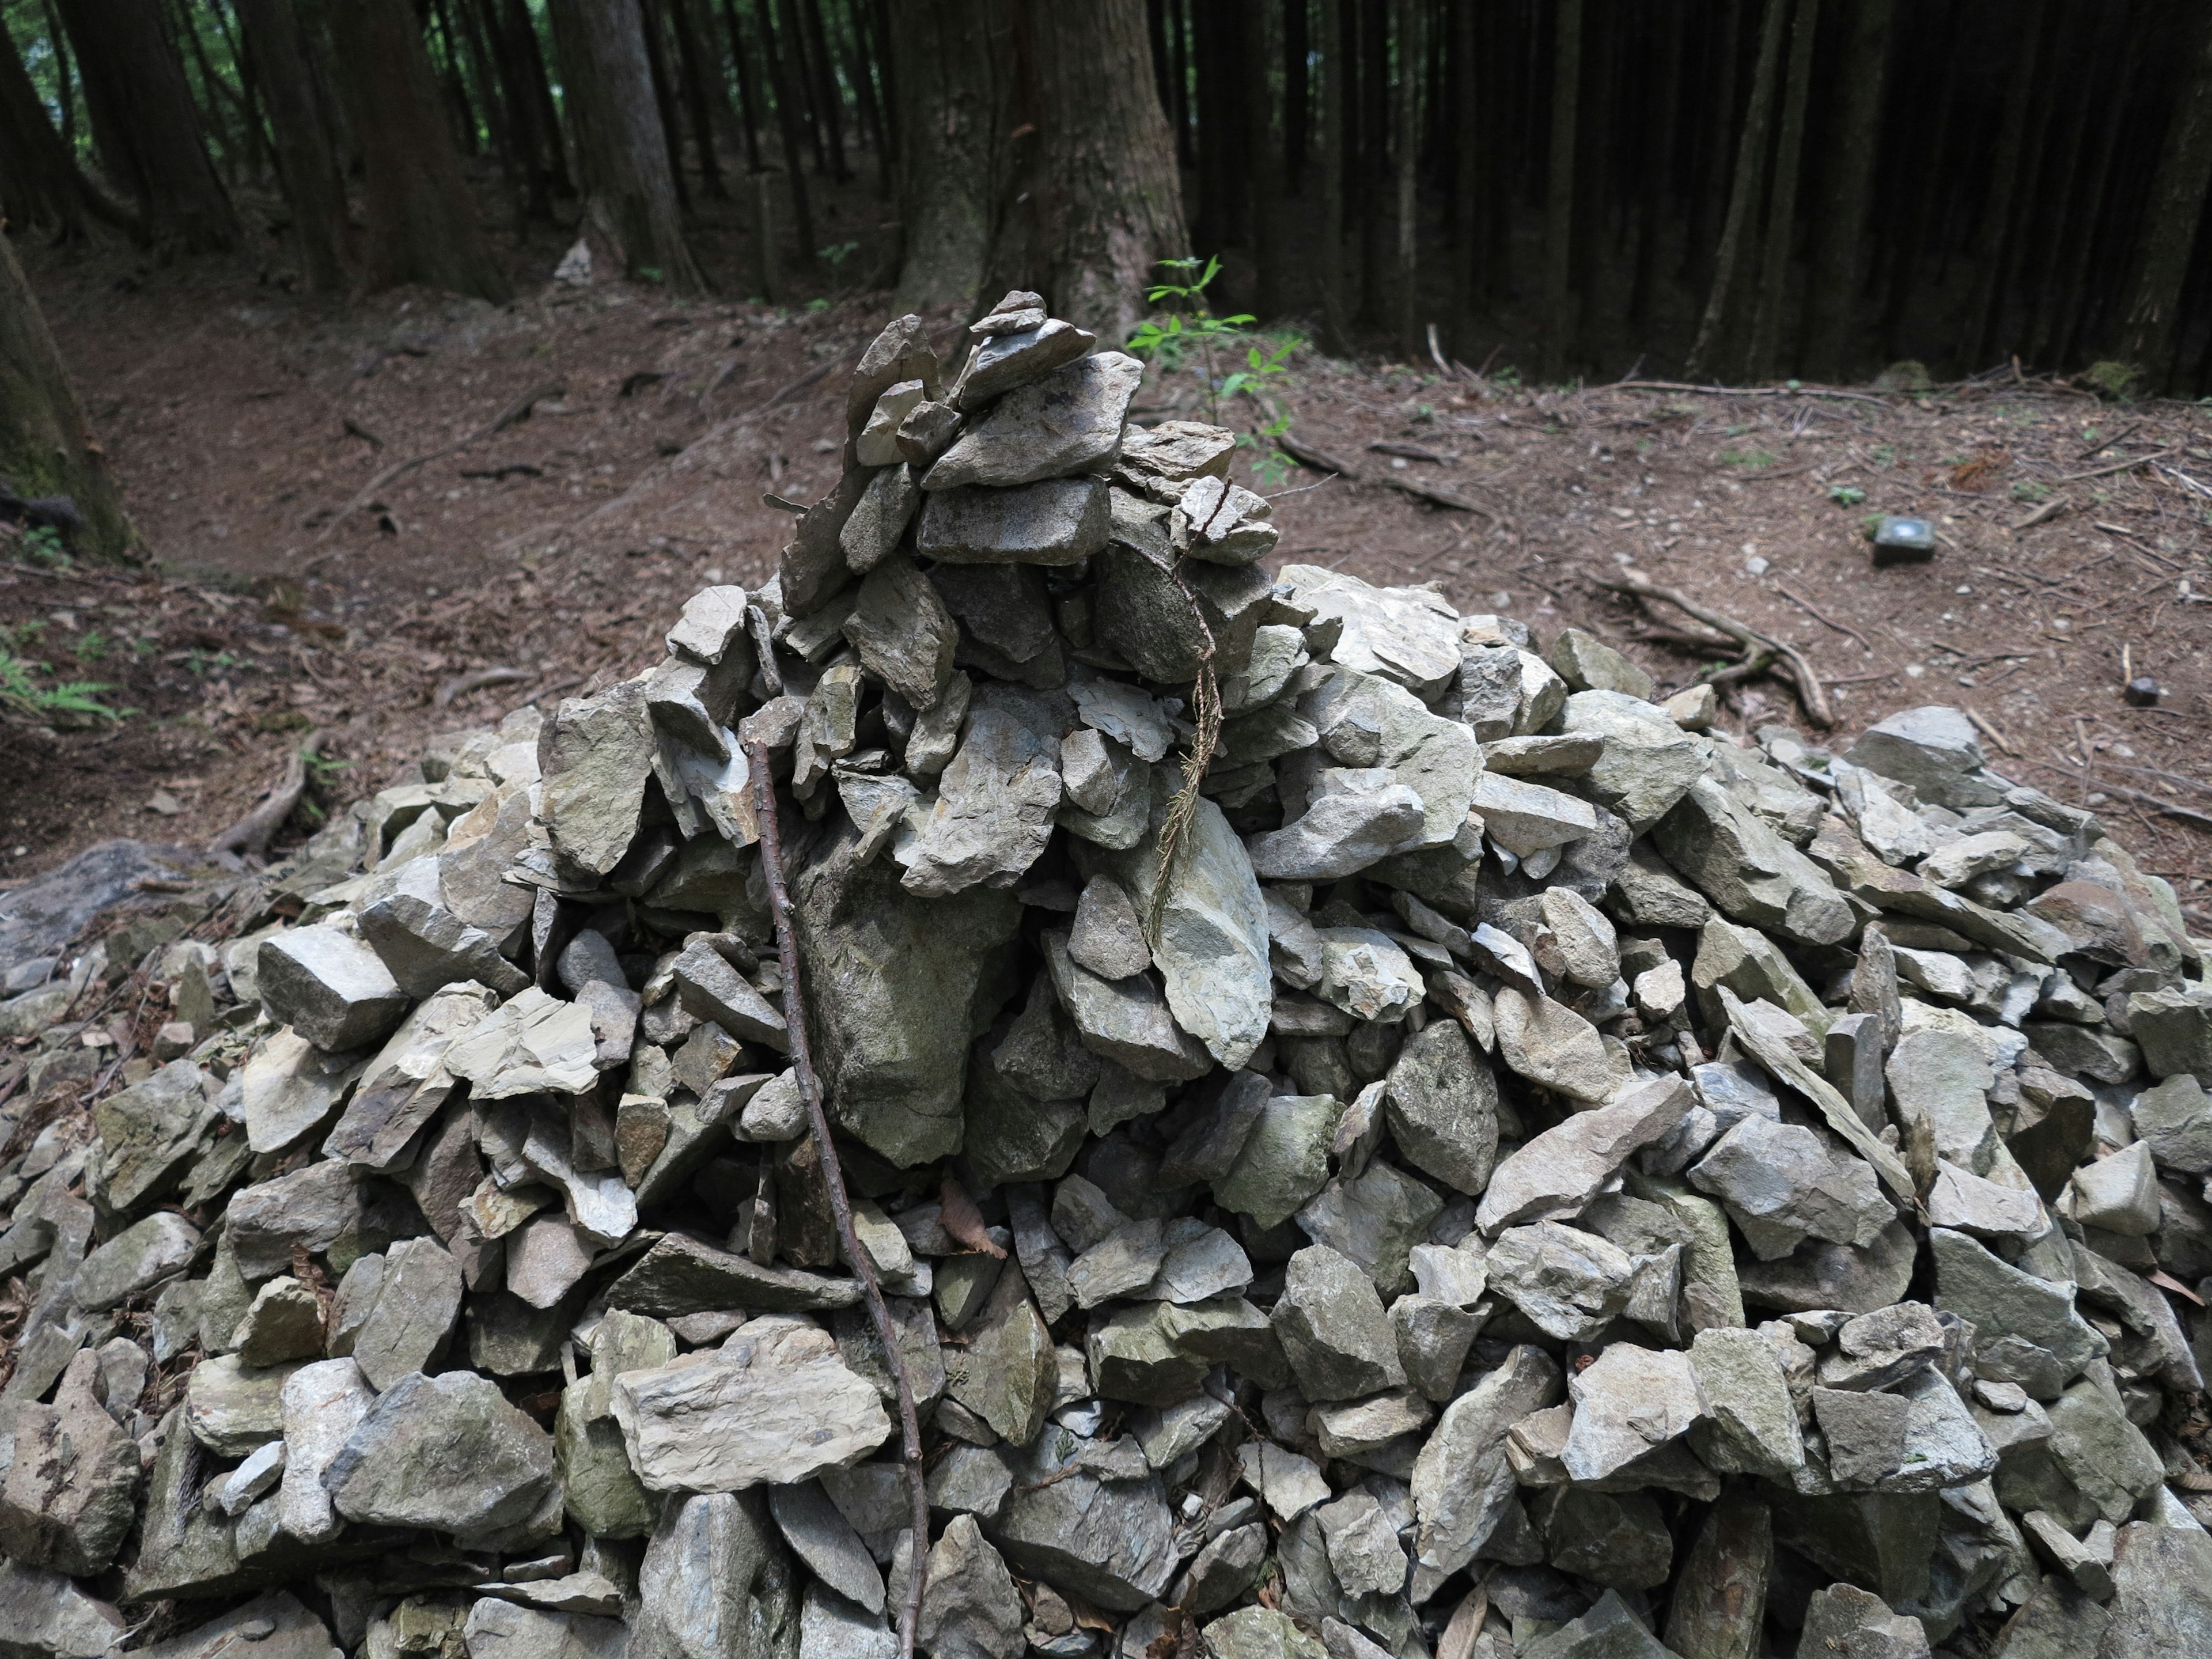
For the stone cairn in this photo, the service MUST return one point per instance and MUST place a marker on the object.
(1373, 1141)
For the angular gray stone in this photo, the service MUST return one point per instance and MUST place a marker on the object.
(43, 1616)
(418, 1302)
(1752, 1425)
(285, 1322)
(290, 1086)
(1781, 1185)
(970, 1608)
(1060, 521)
(1933, 748)
(1555, 1175)
(448, 1453)
(775, 1404)
(1127, 1021)
(1063, 421)
(2008, 1306)
(320, 1406)
(1223, 1570)
(1628, 1402)
(713, 1580)
(1334, 1329)
(1751, 874)
(330, 986)
(2174, 1119)
(2163, 1596)
(1373, 1219)
(902, 633)
(1462, 1486)
(826, 1542)
(1210, 943)
(69, 1496)
(1550, 1044)
(995, 801)
(1433, 1336)
(1111, 1542)
(1342, 831)
(594, 755)
(1443, 1106)
(134, 1260)
(1108, 937)
(1571, 1284)
(1844, 1619)
(424, 943)
(1363, 1545)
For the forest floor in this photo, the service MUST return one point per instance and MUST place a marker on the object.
(294, 585)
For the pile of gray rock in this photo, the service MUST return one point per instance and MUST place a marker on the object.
(1523, 1173)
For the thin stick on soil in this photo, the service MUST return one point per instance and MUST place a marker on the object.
(1755, 644)
(1821, 616)
(516, 410)
(833, 1178)
(251, 834)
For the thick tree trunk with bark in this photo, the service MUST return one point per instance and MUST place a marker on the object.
(1406, 143)
(1332, 97)
(1840, 228)
(952, 128)
(1112, 202)
(43, 448)
(423, 224)
(783, 88)
(307, 162)
(2177, 203)
(621, 150)
(147, 126)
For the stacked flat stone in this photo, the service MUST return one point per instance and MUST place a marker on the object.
(1532, 1175)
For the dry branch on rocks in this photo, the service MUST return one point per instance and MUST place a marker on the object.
(1529, 1176)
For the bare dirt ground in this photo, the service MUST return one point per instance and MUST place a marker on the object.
(295, 584)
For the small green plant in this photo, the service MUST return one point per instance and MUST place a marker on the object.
(322, 769)
(1509, 377)
(91, 647)
(2109, 380)
(200, 662)
(818, 304)
(1846, 494)
(22, 694)
(42, 545)
(649, 273)
(1190, 325)
(1750, 458)
(2027, 490)
(837, 252)
(1885, 454)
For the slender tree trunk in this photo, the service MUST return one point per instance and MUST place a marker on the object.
(706, 92)
(1559, 188)
(866, 55)
(1744, 193)
(466, 20)
(1653, 217)
(315, 188)
(749, 110)
(523, 130)
(2071, 156)
(1220, 38)
(780, 83)
(950, 54)
(43, 448)
(64, 70)
(1331, 95)
(1375, 181)
(1406, 95)
(2177, 203)
(1773, 298)
(1467, 100)
(827, 96)
(423, 224)
(210, 103)
(1298, 94)
(621, 150)
(259, 153)
(467, 133)
(41, 183)
(1936, 82)
(1112, 205)
(530, 56)
(1179, 74)
(1840, 226)
(151, 141)
(1264, 226)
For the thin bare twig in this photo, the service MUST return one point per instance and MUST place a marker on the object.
(1754, 643)
(1821, 616)
(1321, 460)
(516, 410)
(250, 833)
(833, 1178)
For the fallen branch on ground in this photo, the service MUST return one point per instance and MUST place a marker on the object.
(516, 410)
(833, 1178)
(250, 833)
(1755, 644)
(463, 684)
(1321, 460)
(1818, 616)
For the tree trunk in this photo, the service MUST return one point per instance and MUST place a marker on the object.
(1653, 218)
(1374, 153)
(1710, 194)
(621, 151)
(210, 103)
(307, 165)
(1743, 194)
(1559, 186)
(782, 90)
(953, 117)
(1782, 209)
(43, 449)
(148, 129)
(700, 96)
(749, 110)
(1178, 107)
(1333, 96)
(797, 78)
(1297, 96)
(1112, 205)
(828, 98)
(39, 175)
(1406, 95)
(655, 39)
(422, 224)
(1220, 36)
(465, 19)
(868, 57)
(2177, 203)
(1467, 101)
(64, 71)
(520, 30)
(1840, 226)
(260, 153)
(2069, 306)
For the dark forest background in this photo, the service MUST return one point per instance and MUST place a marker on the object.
(1732, 190)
